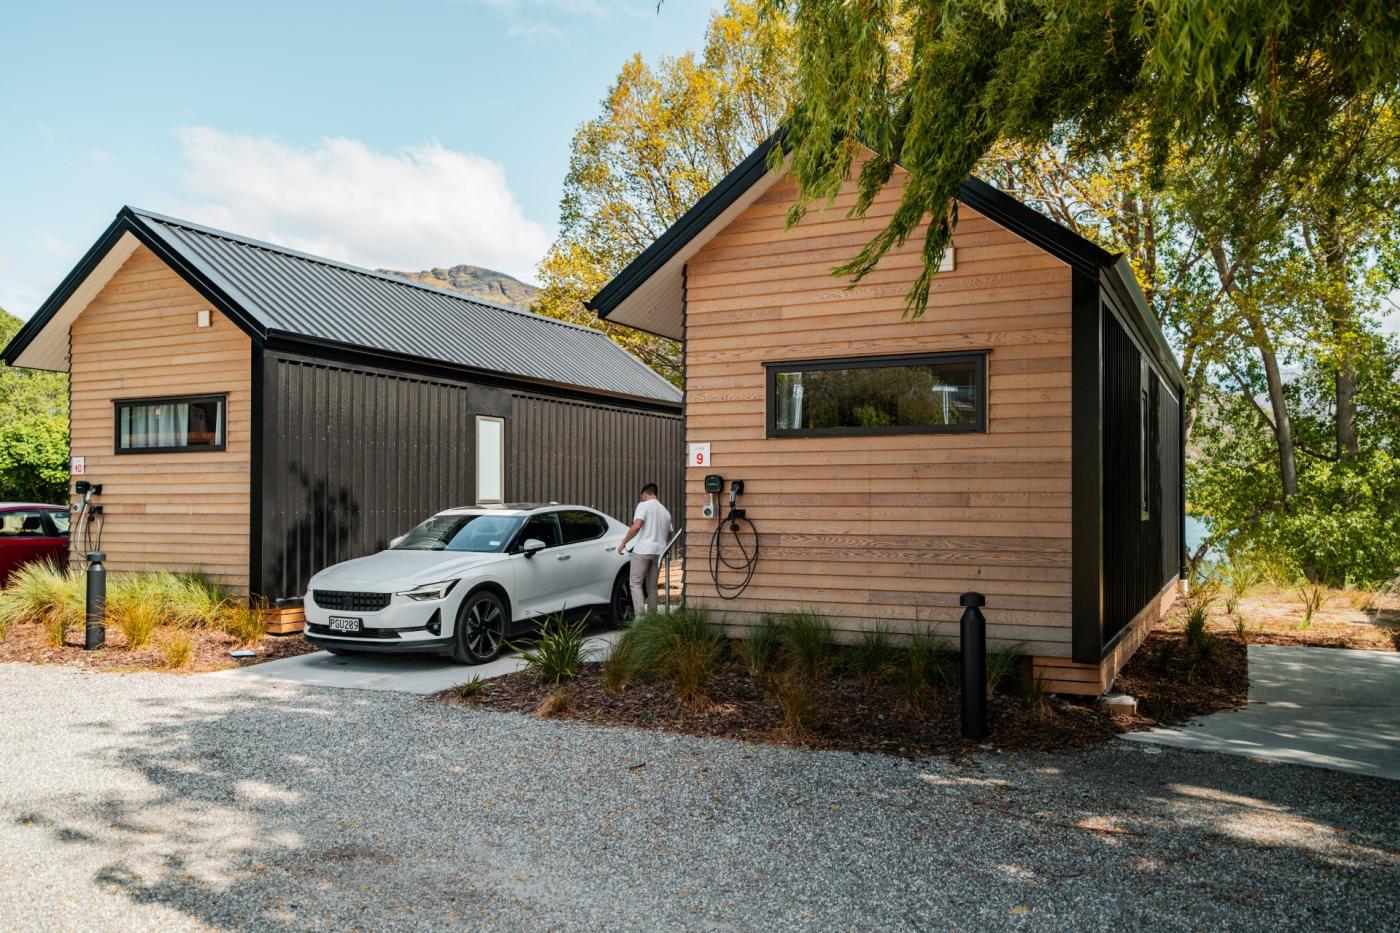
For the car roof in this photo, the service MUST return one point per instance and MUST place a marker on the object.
(512, 508)
(33, 505)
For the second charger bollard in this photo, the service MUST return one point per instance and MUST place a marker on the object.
(974, 667)
(96, 631)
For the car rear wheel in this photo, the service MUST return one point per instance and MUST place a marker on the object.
(480, 629)
(620, 605)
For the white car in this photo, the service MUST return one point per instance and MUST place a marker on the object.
(465, 580)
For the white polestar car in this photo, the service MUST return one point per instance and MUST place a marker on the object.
(465, 580)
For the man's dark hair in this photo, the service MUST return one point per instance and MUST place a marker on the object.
(649, 489)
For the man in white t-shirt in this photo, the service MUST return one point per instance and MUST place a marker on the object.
(651, 527)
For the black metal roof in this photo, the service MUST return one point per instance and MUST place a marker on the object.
(275, 292)
(1080, 253)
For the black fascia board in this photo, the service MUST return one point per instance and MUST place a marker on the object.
(715, 202)
(127, 222)
(404, 364)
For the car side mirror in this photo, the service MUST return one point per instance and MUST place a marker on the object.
(394, 542)
(530, 546)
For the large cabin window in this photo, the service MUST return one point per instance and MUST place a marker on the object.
(926, 394)
(170, 425)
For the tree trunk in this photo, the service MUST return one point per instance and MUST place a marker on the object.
(1283, 425)
(1339, 311)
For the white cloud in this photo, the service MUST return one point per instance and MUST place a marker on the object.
(535, 31)
(421, 206)
(54, 246)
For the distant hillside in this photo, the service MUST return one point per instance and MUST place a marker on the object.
(476, 282)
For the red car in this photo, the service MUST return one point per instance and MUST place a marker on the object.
(30, 532)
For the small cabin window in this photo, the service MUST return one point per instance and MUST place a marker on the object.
(1144, 440)
(927, 394)
(170, 425)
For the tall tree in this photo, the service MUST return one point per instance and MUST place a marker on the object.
(1257, 85)
(665, 136)
(33, 429)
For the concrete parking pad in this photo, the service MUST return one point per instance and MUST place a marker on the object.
(1322, 707)
(401, 673)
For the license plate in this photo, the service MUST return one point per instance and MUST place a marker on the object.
(345, 624)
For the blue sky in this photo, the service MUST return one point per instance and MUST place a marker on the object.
(407, 135)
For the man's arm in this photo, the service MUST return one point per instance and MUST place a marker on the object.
(631, 533)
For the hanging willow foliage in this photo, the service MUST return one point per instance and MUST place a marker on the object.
(1254, 86)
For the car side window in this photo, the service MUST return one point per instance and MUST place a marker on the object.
(545, 527)
(25, 524)
(61, 520)
(579, 525)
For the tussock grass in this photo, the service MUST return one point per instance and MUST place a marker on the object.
(138, 604)
(759, 649)
(136, 616)
(807, 643)
(622, 665)
(44, 594)
(1240, 575)
(799, 700)
(556, 704)
(176, 648)
(1001, 662)
(873, 655)
(926, 662)
(680, 646)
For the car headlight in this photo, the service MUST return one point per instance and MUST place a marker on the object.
(429, 591)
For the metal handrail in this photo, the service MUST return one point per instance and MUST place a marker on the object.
(666, 567)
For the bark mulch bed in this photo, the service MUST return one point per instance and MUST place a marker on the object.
(1173, 682)
(878, 718)
(209, 652)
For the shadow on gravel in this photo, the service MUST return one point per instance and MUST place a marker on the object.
(334, 809)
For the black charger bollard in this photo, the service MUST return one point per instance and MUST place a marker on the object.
(96, 601)
(974, 667)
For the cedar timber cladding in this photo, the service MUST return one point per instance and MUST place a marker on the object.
(138, 338)
(891, 528)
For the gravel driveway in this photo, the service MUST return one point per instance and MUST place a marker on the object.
(157, 802)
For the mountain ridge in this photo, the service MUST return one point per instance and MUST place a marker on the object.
(474, 282)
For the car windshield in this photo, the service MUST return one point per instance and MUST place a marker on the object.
(485, 534)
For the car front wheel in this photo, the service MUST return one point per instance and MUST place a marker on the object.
(480, 629)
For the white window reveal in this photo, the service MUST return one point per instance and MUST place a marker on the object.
(490, 459)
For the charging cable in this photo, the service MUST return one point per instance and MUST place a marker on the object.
(748, 559)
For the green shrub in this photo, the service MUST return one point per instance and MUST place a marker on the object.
(1197, 623)
(470, 689)
(807, 643)
(759, 649)
(558, 654)
(873, 654)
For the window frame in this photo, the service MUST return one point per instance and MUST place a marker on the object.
(517, 545)
(976, 426)
(119, 403)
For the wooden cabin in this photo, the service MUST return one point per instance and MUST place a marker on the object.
(1022, 439)
(256, 414)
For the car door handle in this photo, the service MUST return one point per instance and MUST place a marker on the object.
(610, 547)
(563, 557)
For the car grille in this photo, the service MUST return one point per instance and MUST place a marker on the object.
(350, 602)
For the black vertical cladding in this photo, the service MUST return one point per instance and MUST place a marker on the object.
(592, 453)
(1140, 553)
(354, 455)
